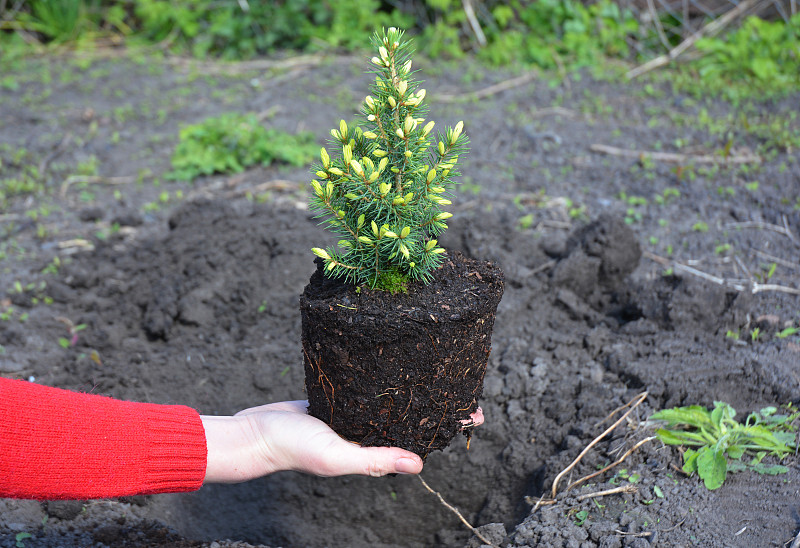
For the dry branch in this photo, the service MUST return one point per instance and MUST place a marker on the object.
(796, 542)
(675, 158)
(733, 284)
(709, 30)
(765, 226)
(456, 512)
(794, 265)
(239, 67)
(275, 184)
(634, 404)
(614, 491)
(473, 22)
(488, 91)
(93, 180)
(610, 466)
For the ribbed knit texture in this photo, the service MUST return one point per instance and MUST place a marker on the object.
(56, 444)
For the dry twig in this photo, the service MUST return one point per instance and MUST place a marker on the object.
(634, 404)
(796, 542)
(674, 157)
(275, 184)
(733, 284)
(614, 491)
(628, 534)
(456, 512)
(766, 226)
(488, 91)
(239, 67)
(612, 465)
(542, 267)
(709, 30)
(93, 180)
(554, 111)
(794, 265)
(473, 22)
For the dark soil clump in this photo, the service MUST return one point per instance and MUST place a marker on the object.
(402, 370)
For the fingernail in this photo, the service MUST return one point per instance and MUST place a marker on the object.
(406, 466)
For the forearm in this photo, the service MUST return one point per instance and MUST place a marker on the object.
(57, 444)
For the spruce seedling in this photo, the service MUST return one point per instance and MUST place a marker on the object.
(383, 186)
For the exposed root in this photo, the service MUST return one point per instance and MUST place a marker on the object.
(456, 512)
(610, 466)
(634, 404)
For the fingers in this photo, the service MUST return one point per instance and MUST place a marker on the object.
(297, 406)
(475, 419)
(350, 458)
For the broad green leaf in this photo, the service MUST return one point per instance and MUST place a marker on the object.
(690, 462)
(693, 415)
(716, 416)
(680, 437)
(735, 451)
(712, 467)
(770, 470)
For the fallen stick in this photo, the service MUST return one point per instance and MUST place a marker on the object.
(93, 180)
(275, 184)
(612, 465)
(754, 287)
(614, 491)
(488, 91)
(709, 30)
(796, 542)
(638, 400)
(473, 22)
(634, 535)
(674, 157)
(305, 61)
(783, 262)
(457, 513)
(542, 267)
(614, 412)
(766, 226)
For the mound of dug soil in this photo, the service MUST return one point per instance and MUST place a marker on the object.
(205, 313)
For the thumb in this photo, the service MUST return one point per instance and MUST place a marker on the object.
(372, 461)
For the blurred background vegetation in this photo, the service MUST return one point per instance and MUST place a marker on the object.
(756, 42)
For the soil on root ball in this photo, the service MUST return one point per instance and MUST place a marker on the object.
(402, 370)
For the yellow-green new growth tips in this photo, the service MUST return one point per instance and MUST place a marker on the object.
(382, 188)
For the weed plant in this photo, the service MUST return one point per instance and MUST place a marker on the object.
(233, 142)
(718, 442)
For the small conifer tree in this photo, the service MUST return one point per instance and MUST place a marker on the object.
(382, 189)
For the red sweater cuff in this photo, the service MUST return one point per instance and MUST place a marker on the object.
(56, 444)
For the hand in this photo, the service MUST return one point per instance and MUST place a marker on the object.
(281, 436)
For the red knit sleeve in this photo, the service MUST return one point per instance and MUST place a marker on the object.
(56, 444)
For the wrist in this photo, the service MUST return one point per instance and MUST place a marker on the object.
(232, 450)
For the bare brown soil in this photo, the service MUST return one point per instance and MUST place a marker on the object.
(196, 302)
